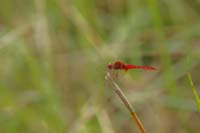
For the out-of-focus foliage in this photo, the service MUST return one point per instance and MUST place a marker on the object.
(194, 90)
(54, 54)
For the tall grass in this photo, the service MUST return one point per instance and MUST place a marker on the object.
(54, 54)
(194, 90)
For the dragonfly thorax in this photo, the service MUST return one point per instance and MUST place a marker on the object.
(119, 65)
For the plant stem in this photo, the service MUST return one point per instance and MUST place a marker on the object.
(194, 92)
(126, 103)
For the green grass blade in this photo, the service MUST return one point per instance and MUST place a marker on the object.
(194, 92)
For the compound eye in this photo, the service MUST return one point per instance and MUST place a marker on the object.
(109, 66)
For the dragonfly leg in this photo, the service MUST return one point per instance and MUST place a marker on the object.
(115, 73)
(112, 73)
(108, 74)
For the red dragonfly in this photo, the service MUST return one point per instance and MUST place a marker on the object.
(119, 65)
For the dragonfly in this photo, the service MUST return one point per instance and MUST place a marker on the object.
(119, 65)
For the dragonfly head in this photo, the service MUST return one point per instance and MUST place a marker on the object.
(110, 66)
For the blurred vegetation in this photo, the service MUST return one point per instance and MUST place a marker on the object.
(194, 90)
(53, 63)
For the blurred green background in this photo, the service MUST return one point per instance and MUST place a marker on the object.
(54, 55)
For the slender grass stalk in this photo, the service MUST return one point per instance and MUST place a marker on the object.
(126, 103)
(194, 91)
